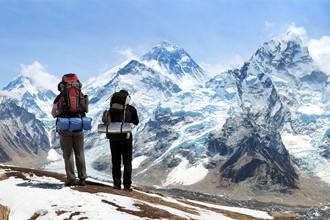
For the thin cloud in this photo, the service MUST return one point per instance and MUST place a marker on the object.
(127, 53)
(269, 24)
(320, 52)
(39, 76)
(293, 31)
(269, 28)
(224, 65)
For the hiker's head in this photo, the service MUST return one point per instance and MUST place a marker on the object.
(124, 91)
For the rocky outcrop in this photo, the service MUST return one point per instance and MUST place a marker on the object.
(4, 212)
(263, 162)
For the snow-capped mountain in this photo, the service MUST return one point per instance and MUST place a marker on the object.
(33, 98)
(175, 63)
(285, 109)
(304, 90)
(23, 138)
(146, 86)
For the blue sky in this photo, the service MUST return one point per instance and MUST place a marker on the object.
(91, 36)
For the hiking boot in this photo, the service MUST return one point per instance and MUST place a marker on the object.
(117, 187)
(70, 183)
(128, 189)
(82, 182)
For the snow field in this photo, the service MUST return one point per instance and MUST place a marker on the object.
(47, 197)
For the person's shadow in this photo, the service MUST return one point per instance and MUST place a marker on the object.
(42, 185)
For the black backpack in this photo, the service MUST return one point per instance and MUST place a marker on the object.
(118, 106)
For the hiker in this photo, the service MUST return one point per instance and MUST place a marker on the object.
(71, 103)
(121, 143)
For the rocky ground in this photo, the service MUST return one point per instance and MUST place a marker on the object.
(311, 199)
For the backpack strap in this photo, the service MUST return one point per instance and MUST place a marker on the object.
(125, 108)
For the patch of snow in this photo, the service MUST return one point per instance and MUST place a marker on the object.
(137, 161)
(186, 174)
(302, 148)
(244, 211)
(53, 155)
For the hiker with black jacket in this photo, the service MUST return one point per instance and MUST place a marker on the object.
(121, 143)
(71, 103)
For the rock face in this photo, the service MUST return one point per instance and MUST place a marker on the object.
(4, 212)
(251, 140)
(262, 161)
(23, 138)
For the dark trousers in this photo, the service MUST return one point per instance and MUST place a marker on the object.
(121, 149)
(73, 143)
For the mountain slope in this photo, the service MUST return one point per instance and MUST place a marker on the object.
(23, 138)
(39, 194)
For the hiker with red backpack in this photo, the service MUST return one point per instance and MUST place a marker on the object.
(116, 125)
(70, 108)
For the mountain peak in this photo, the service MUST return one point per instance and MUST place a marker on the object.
(169, 46)
(18, 82)
(293, 34)
(174, 62)
(285, 52)
(164, 48)
(29, 95)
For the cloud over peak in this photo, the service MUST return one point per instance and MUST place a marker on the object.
(39, 76)
(319, 49)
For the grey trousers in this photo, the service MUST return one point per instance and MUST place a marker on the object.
(73, 142)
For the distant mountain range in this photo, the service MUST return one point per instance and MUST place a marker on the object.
(258, 126)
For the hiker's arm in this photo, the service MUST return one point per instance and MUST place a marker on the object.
(135, 117)
(54, 111)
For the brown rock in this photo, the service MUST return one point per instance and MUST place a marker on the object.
(4, 212)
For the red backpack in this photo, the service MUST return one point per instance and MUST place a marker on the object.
(72, 102)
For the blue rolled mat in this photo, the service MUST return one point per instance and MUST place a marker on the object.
(74, 124)
(62, 124)
(87, 123)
